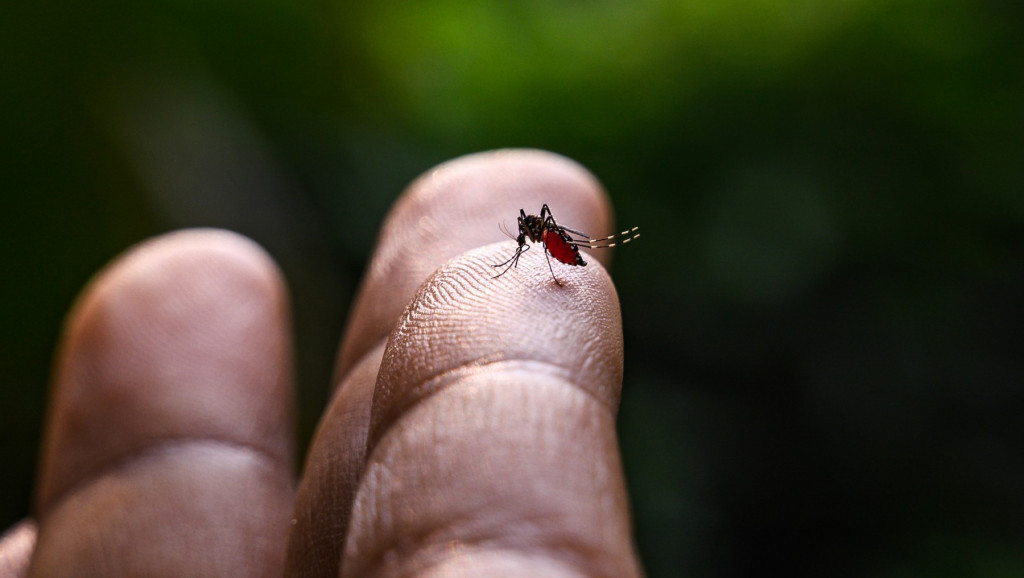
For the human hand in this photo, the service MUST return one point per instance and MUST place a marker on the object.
(477, 440)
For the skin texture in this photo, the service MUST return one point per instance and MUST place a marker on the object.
(471, 430)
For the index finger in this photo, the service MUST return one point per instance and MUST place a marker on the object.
(492, 446)
(454, 208)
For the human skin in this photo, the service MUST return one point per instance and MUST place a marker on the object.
(470, 432)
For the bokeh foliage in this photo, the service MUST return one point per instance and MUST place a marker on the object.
(823, 319)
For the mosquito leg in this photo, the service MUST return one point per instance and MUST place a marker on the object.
(512, 261)
(550, 268)
(611, 240)
(621, 235)
(585, 236)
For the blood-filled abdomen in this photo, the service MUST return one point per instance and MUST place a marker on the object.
(561, 247)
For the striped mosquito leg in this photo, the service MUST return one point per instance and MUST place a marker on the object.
(611, 240)
(625, 233)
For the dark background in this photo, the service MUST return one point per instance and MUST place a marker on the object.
(824, 316)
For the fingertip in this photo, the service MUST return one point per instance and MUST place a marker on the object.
(172, 254)
(458, 206)
(463, 319)
(183, 336)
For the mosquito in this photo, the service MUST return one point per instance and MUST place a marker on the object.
(559, 242)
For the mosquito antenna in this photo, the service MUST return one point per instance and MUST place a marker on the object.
(505, 230)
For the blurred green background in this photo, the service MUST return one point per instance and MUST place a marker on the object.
(824, 320)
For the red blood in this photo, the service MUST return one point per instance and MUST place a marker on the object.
(562, 248)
